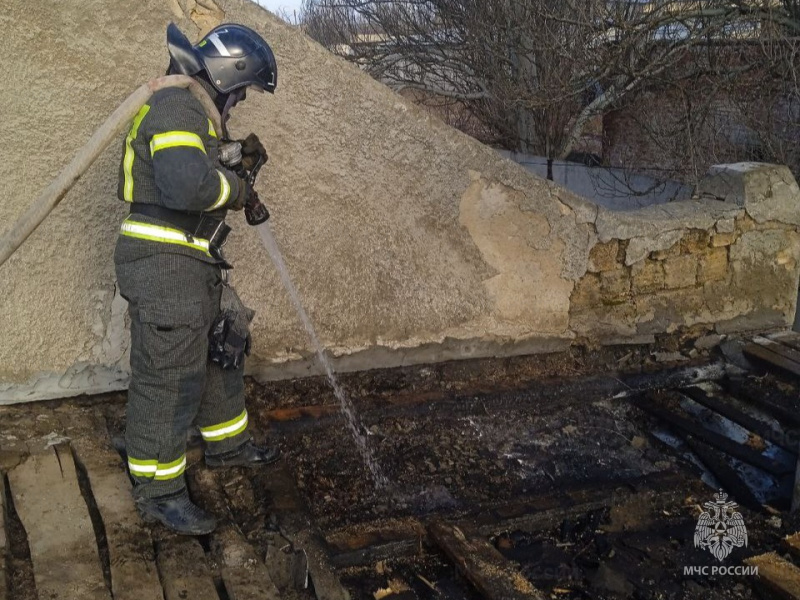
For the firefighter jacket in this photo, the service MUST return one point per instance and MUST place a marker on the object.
(170, 159)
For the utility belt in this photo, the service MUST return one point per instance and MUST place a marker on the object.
(229, 336)
(198, 231)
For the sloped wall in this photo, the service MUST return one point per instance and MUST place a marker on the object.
(408, 241)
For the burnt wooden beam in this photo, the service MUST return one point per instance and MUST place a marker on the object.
(786, 412)
(739, 388)
(787, 359)
(64, 550)
(662, 379)
(546, 510)
(549, 393)
(728, 411)
(768, 356)
(370, 543)
(298, 413)
(480, 562)
(366, 544)
(787, 338)
(778, 575)
(712, 438)
(784, 350)
(727, 477)
(376, 553)
(296, 526)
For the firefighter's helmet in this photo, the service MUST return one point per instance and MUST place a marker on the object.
(232, 56)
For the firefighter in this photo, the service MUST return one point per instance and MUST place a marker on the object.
(171, 270)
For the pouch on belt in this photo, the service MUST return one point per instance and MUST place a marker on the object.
(229, 338)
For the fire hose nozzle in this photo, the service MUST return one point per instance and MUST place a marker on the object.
(255, 212)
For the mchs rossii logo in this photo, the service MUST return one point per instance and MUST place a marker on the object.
(720, 528)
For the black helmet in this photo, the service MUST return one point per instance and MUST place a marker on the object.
(233, 57)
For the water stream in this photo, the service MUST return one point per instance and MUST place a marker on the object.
(345, 404)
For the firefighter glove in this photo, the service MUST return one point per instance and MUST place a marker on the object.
(245, 194)
(252, 150)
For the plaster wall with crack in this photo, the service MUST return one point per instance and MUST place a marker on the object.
(408, 241)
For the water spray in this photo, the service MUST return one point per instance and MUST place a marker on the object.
(255, 213)
(346, 405)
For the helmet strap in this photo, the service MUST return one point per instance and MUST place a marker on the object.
(231, 101)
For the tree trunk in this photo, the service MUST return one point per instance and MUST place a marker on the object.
(550, 169)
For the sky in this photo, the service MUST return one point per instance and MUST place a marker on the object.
(276, 5)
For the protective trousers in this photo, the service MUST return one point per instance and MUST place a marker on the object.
(173, 299)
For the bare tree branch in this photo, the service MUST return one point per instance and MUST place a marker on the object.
(531, 75)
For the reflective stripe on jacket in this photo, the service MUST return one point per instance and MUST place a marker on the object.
(170, 159)
(157, 233)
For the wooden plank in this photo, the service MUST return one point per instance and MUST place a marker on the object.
(792, 543)
(531, 393)
(375, 533)
(728, 411)
(48, 500)
(728, 478)
(777, 574)
(295, 413)
(326, 584)
(376, 553)
(538, 512)
(367, 543)
(3, 551)
(370, 543)
(787, 338)
(782, 349)
(134, 575)
(739, 389)
(773, 359)
(786, 413)
(718, 441)
(184, 571)
(243, 573)
(479, 561)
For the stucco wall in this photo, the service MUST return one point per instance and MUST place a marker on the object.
(407, 240)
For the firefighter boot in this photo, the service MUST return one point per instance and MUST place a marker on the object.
(246, 455)
(178, 513)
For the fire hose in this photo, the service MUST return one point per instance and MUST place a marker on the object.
(117, 123)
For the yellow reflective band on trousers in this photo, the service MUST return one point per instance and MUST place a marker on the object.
(224, 192)
(157, 470)
(176, 139)
(211, 131)
(166, 235)
(225, 430)
(127, 161)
